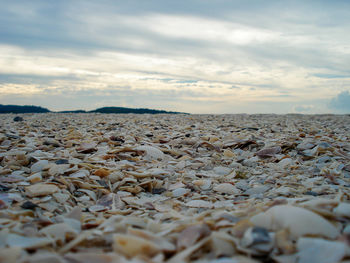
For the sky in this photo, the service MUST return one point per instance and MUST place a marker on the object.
(195, 56)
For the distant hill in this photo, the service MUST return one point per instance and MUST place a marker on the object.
(37, 109)
(22, 109)
(131, 110)
(73, 111)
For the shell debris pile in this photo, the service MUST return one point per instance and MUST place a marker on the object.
(174, 188)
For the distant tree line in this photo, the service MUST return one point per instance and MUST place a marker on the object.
(37, 109)
(22, 109)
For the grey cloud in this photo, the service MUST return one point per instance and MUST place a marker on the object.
(36, 79)
(341, 102)
(331, 76)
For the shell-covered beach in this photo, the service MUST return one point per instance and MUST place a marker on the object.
(77, 188)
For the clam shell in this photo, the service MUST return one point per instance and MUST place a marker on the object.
(151, 153)
(131, 246)
(298, 220)
(316, 250)
(226, 188)
(41, 189)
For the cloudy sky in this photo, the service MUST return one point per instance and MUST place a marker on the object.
(197, 56)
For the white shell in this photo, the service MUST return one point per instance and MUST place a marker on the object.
(180, 192)
(39, 166)
(41, 189)
(152, 153)
(317, 250)
(343, 209)
(131, 246)
(300, 221)
(226, 188)
(14, 240)
(199, 203)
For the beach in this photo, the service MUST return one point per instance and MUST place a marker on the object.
(89, 187)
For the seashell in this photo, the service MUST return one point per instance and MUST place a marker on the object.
(222, 245)
(10, 254)
(41, 189)
(317, 250)
(185, 254)
(180, 192)
(162, 243)
(298, 220)
(80, 174)
(34, 178)
(151, 153)
(189, 236)
(14, 240)
(221, 170)
(102, 172)
(59, 232)
(60, 197)
(44, 257)
(204, 184)
(159, 173)
(111, 201)
(251, 162)
(39, 166)
(269, 152)
(51, 141)
(57, 169)
(226, 188)
(258, 240)
(257, 190)
(91, 257)
(199, 204)
(343, 209)
(87, 147)
(285, 162)
(284, 242)
(176, 185)
(130, 246)
(227, 153)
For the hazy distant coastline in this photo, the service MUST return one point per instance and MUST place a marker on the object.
(38, 109)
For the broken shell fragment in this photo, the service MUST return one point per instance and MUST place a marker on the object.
(226, 188)
(316, 250)
(130, 246)
(41, 189)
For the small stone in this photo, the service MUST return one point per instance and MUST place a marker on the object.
(158, 191)
(29, 205)
(4, 188)
(17, 119)
(62, 161)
